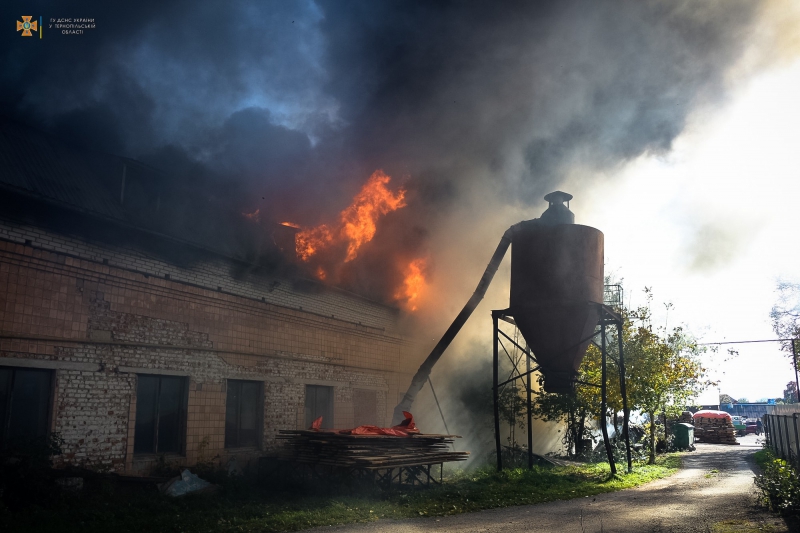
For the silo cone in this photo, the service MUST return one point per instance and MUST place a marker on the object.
(556, 287)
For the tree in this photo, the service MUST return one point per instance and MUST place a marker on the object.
(511, 409)
(664, 373)
(569, 409)
(790, 393)
(726, 399)
(663, 370)
(785, 314)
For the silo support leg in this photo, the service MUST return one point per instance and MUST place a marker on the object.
(530, 410)
(496, 393)
(604, 399)
(623, 388)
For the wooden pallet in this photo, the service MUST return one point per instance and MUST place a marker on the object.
(367, 451)
(715, 430)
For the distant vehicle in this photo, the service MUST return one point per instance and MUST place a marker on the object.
(739, 425)
(751, 427)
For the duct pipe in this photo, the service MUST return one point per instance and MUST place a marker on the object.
(419, 379)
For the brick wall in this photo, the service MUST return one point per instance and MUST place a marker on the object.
(99, 316)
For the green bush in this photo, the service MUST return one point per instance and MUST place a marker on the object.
(779, 484)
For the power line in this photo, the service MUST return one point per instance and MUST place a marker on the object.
(743, 342)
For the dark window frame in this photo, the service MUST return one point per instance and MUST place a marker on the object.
(6, 417)
(259, 414)
(183, 410)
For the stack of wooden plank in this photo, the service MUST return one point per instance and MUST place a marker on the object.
(714, 430)
(686, 418)
(367, 451)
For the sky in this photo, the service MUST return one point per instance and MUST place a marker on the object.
(671, 122)
(710, 228)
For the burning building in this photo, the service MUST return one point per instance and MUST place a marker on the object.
(133, 339)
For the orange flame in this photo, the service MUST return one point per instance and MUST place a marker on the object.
(310, 241)
(321, 274)
(413, 284)
(357, 223)
(290, 224)
(373, 201)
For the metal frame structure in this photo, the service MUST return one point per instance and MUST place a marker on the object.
(410, 475)
(607, 316)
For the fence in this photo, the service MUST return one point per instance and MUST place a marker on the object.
(782, 434)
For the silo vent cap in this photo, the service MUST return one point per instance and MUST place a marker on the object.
(557, 197)
(557, 212)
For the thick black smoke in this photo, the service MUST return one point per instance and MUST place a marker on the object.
(291, 105)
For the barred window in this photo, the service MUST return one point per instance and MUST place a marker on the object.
(160, 414)
(24, 403)
(319, 403)
(243, 414)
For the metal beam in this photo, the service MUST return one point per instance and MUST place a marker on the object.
(496, 393)
(603, 406)
(626, 412)
(530, 413)
(515, 378)
(512, 341)
(796, 379)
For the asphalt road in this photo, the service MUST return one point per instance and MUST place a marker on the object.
(695, 499)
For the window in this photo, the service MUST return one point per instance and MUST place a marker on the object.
(319, 403)
(160, 414)
(243, 414)
(24, 403)
(365, 407)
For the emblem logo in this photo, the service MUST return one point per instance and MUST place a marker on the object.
(27, 25)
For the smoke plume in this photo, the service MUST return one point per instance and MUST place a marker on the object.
(475, 109)
(291, 106)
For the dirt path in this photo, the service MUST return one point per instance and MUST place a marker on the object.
(714, 491)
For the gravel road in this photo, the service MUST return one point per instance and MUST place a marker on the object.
(714, 488)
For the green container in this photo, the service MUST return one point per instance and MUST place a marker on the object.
(684, 435)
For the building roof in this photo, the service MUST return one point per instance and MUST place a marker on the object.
(41, 166)
(38, 164)
(45, 170)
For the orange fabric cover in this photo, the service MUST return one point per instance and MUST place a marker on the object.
(708, 413)
(374, 430)
(404, 429)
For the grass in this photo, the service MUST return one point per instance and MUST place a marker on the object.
(246, 508)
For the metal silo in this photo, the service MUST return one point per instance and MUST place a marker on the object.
(556, 284)
(556, 303)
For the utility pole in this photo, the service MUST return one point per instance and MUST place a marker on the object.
(796, 379)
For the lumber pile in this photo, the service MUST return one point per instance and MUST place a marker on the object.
(717, 430)
(367, 451)
(686, 418)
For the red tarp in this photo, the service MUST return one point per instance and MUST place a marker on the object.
(405, 428)
(708, 413)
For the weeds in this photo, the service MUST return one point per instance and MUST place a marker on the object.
(779, 483)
